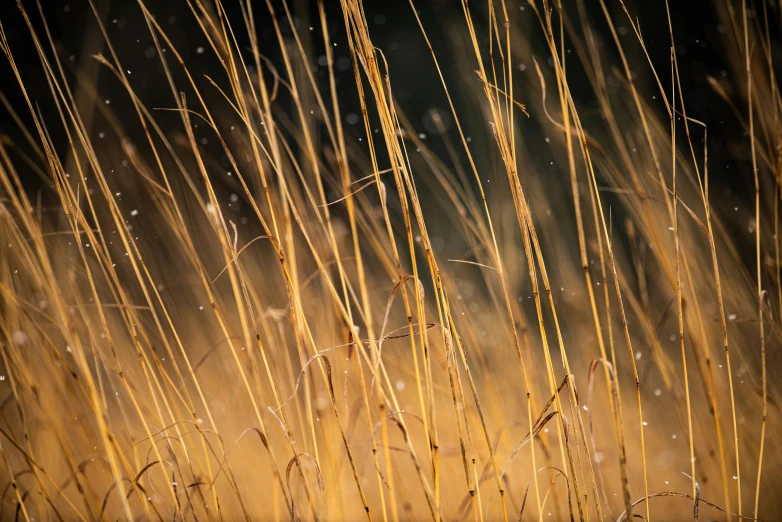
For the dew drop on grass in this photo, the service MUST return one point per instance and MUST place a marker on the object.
(19, 337)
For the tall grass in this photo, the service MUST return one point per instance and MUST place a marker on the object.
(232, 306)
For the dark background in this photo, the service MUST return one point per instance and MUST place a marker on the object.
(393, 29)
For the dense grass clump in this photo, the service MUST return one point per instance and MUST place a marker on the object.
(247, 301)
